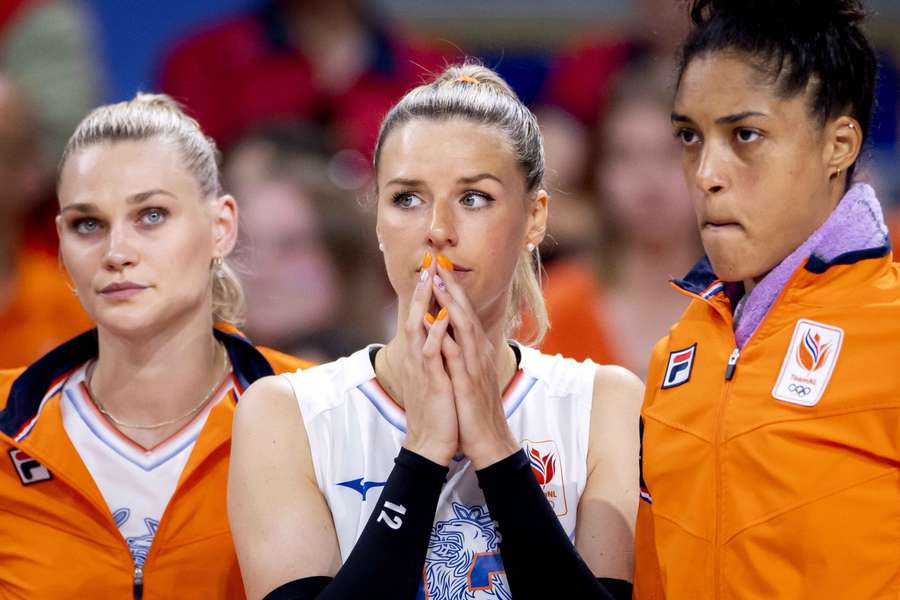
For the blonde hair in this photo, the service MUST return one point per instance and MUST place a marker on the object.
(475, 93)
(149, 116)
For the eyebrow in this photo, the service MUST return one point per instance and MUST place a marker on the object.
(726, 120)
(138, 198)
(463, 180)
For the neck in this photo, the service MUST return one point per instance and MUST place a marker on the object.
(835, 192)
(152, 379)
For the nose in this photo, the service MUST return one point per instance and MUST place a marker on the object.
(120, 253)
(710, 175)
(442, 228)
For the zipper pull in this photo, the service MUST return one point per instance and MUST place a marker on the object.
(732, 364)
(138, 583)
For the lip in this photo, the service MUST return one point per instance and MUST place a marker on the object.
(122, 290)
(720, 224)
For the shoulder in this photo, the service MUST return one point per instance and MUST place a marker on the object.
(268, 400)
(321, 388)
(617, 392)
(562, 375)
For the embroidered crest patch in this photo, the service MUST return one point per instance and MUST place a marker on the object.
(809, 362)
(678, 370)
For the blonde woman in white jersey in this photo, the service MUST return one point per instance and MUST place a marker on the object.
(449, 464)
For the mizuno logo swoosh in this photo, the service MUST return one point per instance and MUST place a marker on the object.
(362, 486)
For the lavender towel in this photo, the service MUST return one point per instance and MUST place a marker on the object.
(857, 223)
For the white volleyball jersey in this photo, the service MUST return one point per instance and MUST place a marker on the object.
(356, 430)
(137, 483)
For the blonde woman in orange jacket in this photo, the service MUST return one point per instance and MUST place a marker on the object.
(117, 442)
(771, 421)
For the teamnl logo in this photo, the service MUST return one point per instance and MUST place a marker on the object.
(547, 469)
(809, 362)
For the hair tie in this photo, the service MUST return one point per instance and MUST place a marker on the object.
(467, 79)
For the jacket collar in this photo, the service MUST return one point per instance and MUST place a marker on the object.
(41, 379)
(854, 231)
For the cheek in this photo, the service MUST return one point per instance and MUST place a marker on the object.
(80, 259)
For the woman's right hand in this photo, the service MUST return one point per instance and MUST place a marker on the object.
(424, 385)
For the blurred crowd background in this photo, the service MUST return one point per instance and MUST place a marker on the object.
(293, 92)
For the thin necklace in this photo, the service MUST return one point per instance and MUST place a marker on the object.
(189, 413)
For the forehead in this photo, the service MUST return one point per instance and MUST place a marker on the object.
(722, 83)
(116, 170)
(437, 149)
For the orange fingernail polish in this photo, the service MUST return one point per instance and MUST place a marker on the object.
(442, 314)
(430, 318)
(445, 262)
(426, 260)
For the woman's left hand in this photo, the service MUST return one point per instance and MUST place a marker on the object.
(484, 434)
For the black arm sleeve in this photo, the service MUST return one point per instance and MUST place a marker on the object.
(388, 558)
(533, 543)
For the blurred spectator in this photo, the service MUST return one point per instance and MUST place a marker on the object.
(615, 307)
(45, 51)
(37, 310)
(578, 84)
(307, 254)
(332, 62)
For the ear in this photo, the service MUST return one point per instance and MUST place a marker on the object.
(225, 225)
(537, 218)
(843, 143)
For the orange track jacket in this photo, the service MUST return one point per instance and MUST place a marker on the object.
(57, 535)
(774, 472)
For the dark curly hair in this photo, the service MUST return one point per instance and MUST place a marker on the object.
(817, 45)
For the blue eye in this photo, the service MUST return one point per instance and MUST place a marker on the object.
(406, 200)
(153, 216)
(475, 200)
(86, 226)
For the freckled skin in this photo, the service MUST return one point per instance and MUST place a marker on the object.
(761, 184)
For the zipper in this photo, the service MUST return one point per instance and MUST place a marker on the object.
(730, 369)
(138, 583)
(720, 414)
(732, 364)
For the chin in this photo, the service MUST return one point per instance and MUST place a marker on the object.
(735, 268)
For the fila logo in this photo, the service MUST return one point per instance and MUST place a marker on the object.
(809, 362)
(29, 470)
(678, 370)
(547, 470)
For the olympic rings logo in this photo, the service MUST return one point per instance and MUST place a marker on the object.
(800, 390)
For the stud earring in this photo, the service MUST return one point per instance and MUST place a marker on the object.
(530, 247)
(381, 245)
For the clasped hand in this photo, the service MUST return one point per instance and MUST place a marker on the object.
(449, 381)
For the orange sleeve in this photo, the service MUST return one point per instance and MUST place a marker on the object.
(647, 578)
